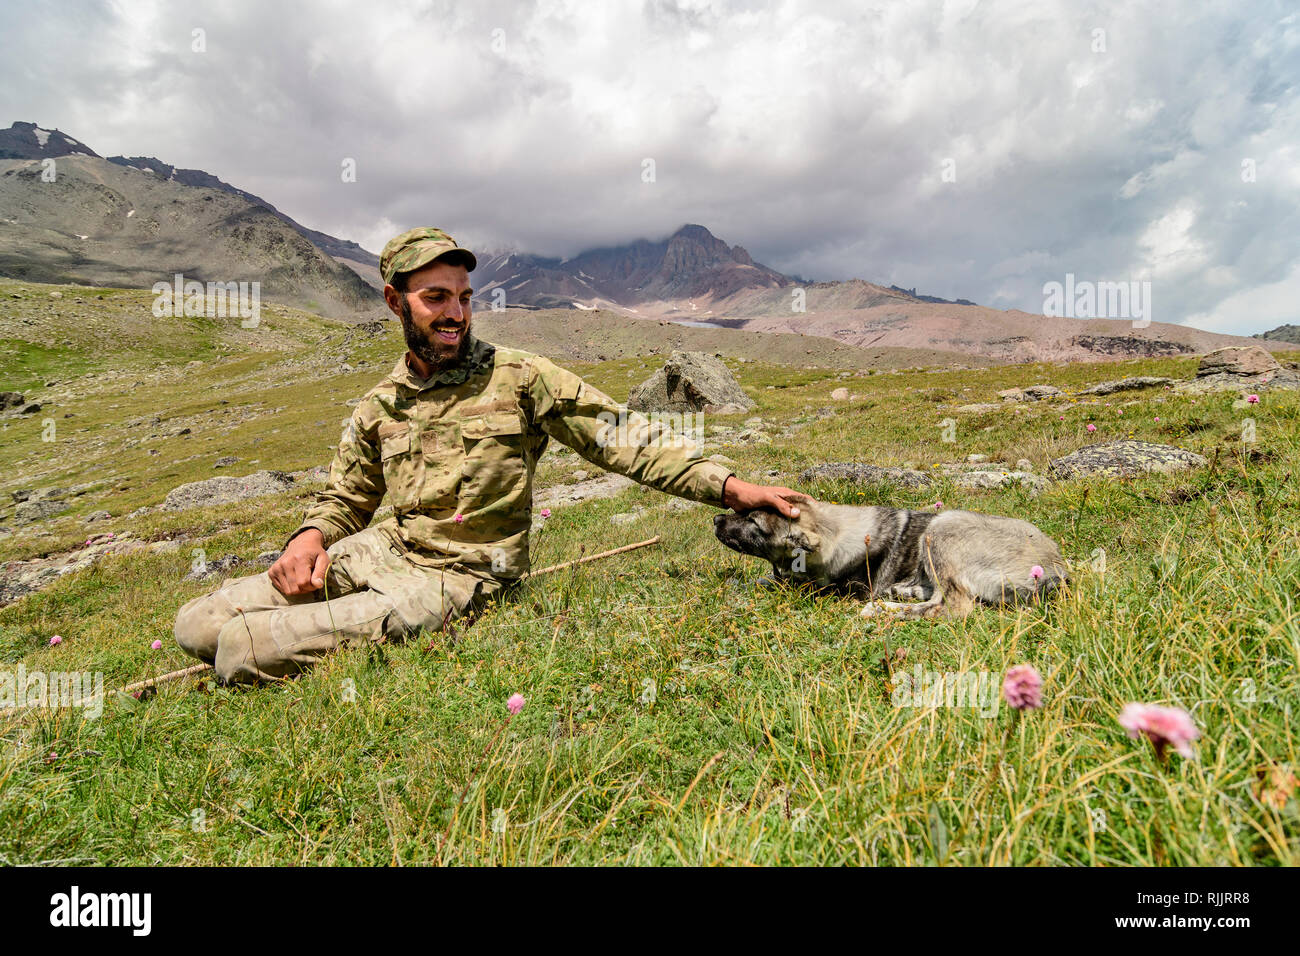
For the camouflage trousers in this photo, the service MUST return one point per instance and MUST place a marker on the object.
(249, 631)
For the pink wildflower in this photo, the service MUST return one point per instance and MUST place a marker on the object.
(1022, 687)
(55, 641)
(156, 645)
(1091, 427)
(546, 512)
(516, 703)
(1036, 571)
(459, 518)
(1164, 726)
(1252, 399)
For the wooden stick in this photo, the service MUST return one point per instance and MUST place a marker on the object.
(591, 557)
(199, 668)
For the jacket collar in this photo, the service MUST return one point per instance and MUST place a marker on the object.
(480, 354)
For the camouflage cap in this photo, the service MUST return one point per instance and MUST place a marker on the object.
(418, 247)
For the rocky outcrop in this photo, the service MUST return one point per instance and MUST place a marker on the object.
(1124, 459)
(1240, 368)
(691, 382)
(223, 490)
(1126, 385)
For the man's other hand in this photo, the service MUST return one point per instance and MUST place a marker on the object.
(301, 569)
(742, 496)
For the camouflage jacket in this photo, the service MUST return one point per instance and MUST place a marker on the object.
(456, 455)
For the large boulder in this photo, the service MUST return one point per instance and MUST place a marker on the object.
(1239, 367)
(227, 488)
(1238, 360)
(690, 382)
(10, 400)
(1124, 459)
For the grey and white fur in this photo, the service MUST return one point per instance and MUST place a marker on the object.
(950, 561)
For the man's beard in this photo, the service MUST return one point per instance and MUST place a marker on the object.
(425, 347)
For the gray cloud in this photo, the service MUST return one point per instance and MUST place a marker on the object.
(815, 134)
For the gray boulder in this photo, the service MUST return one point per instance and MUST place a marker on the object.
(689, 382)
(227, 488)
(10, 400)
(1240, 367)
(39, 509)
(1124, 459)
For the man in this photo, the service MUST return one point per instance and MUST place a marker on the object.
(452, 436)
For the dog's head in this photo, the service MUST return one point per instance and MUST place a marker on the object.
(793, 545)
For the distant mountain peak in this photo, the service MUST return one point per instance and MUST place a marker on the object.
(29, 141)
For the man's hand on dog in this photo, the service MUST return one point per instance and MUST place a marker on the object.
(301, 568)
(742, 496)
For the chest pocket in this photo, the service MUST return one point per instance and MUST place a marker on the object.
(443, 454)
(494, 462)
(402, 465)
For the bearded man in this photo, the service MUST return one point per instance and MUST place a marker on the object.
(452, 437)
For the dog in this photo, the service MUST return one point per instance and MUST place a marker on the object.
(950, 561)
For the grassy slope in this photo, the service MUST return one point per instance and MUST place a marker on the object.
(674, 714)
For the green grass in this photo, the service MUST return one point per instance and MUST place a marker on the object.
(675, 714)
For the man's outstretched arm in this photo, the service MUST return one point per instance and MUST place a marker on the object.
(609, 435)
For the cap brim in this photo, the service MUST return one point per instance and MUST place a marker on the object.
(461, 257)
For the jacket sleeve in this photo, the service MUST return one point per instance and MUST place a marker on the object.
(355, 485)
(608, 434)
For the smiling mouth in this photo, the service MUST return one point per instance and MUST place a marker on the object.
(447, 333)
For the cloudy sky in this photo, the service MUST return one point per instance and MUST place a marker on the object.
(968, 148)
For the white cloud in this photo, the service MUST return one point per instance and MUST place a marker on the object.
(811, 132)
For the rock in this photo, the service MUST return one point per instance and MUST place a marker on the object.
(1238, 360)
(31, 408)
(724, 409)
(211, 569)
(602, 486)
(979, 407)
(267, 558)
(977, 458)
(580, 475)
(1013, 395)
(722, 460)
(1126, 384)
(863, 474)
(1124, 459)
(1024, 464)
(689, 382)
(1040, 392)
(1000, 479)
(37, 510)
(225, 461)
(1240, 367)
(625, 517)
(840, 395)
(682, 504)
(97, 516)
(10, 400)
(227, 488)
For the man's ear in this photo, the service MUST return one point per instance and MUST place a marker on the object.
(393, 299)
